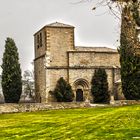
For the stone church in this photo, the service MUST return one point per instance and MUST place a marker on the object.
(57, 56)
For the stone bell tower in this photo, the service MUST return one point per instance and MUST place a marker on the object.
(51, 60)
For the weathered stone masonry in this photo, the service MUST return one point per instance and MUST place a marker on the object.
(56, 56)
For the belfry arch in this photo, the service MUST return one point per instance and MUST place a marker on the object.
(81, 90)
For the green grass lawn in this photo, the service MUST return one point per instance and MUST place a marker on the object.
(118, 123)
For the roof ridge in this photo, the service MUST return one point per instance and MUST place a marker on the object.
(97, 49)
(94, 47)
(58, 24)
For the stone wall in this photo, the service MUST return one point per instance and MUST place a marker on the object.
(90, 59)
(126, 102)
(40, 43)
(59, 41)
(39, 68)
(31, 107)
(84, 73)
(40, 80)
(1, 98)
(52, 77)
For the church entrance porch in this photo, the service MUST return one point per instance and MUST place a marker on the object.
(81, 90)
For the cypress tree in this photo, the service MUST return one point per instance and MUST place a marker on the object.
(11, 73)
(99, 86)
(63, 91)
(129, 54)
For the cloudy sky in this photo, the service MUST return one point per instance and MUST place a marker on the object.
(20, 19)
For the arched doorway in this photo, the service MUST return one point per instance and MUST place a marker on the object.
(79, 95)
(81, 88)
